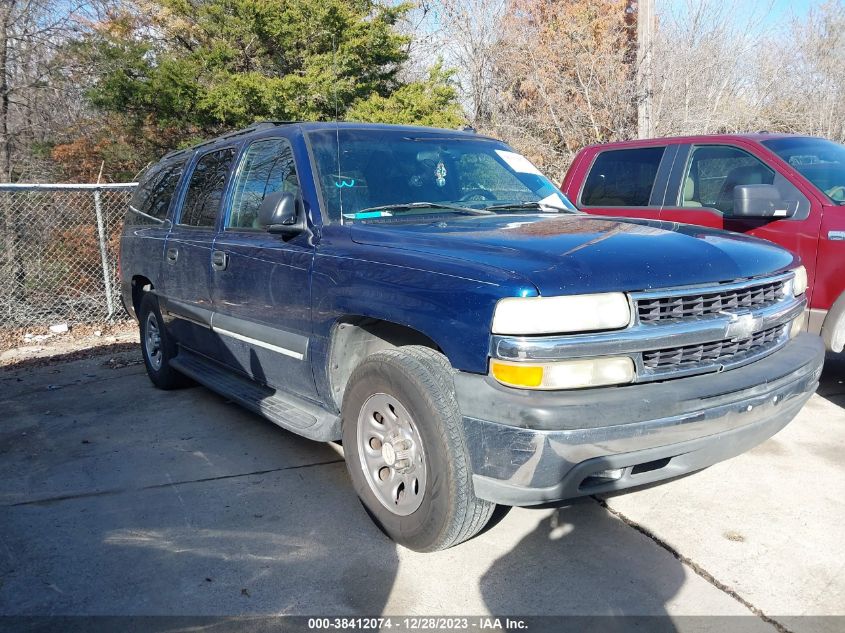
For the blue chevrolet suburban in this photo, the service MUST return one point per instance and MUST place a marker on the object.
(430, 299)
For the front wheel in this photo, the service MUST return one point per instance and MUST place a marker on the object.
(405, 449)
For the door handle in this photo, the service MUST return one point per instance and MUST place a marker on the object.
(172, 254)
(836, 235)
(219, 260)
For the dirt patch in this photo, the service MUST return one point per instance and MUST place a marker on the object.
(80, 341)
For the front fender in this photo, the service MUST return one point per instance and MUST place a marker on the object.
(833, 329)
(449, 301)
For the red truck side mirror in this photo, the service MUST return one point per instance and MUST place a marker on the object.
(759, 201)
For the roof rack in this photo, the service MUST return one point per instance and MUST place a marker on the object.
(255, 127)
(176, 152)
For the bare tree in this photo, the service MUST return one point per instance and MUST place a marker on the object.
(565, 77)
(469, 34)
(35, 98)
(31, 31)
(706, 56)
(718, 68)
(807, 75)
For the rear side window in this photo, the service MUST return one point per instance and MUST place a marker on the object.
(267, 167)
(206, 187)
(622, 178)
(151, 199)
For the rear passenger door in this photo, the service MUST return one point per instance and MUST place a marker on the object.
(187, 256)
(261, 281)
(629, 182)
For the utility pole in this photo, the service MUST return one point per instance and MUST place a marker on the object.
(645, 79)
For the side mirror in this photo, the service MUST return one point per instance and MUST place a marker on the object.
(281, 212)
(760, 201)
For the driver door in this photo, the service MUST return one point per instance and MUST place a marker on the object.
(261, 282)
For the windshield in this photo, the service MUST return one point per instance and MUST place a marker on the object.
(820, 161)
(373, 173)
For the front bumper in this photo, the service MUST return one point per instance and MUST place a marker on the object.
(529, 447)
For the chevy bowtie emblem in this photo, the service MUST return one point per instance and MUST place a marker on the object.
(740, 326)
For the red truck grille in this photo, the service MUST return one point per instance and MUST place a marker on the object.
(712, 353)
(655, 310)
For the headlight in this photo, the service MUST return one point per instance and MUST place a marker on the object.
(570, 374)
(799, 282)
(550, 315)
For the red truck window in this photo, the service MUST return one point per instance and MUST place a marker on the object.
(820, 161)
(715, 170)
(622, 178)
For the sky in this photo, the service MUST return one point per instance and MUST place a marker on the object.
(780, 14)
(783, 8)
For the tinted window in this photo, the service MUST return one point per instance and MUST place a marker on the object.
(206, 187)
(714, 172)
(363, 173)
(267, 167)
(153, 195)
(821, 161)
(622, 178)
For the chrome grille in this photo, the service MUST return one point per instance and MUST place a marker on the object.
(677, 358)
(658, 309)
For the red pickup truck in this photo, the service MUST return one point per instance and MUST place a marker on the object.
(784, 188)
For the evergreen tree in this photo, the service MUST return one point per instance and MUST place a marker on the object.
(175, 71)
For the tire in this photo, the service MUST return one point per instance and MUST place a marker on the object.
(411, 388)
(157, 357)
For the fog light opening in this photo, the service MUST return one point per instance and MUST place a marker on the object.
(645, 467)
(601, 478)
(611, 473)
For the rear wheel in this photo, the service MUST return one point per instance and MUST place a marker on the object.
(157, 348)
(405, 449)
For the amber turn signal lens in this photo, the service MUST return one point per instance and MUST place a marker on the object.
(517, 375)
(576, 373)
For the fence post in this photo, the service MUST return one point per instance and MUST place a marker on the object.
(104, 254)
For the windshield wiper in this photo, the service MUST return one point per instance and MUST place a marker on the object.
(518, 206)
(410, 206)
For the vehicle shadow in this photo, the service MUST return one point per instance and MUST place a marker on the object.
(581, 561)
(832, 383)
(36, 362)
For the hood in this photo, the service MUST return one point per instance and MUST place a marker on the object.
(575, 253)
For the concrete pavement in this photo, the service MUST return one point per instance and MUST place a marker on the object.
(121, 499)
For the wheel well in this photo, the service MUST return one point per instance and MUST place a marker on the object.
(355, 338)
(833, 329)
(140, 285)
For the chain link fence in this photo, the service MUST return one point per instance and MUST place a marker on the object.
(59, 253)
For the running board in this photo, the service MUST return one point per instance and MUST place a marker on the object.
(289, 412)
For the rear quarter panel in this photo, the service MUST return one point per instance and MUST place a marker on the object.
(141, 253)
